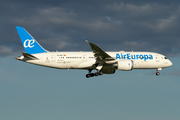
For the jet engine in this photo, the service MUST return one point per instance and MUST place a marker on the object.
(108, 71)
(125, 65)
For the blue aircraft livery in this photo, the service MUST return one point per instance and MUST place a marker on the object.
(31, 46)
(128, 56)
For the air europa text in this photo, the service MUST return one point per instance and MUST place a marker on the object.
(128, 56)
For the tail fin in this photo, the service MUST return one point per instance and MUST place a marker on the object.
(31, 46)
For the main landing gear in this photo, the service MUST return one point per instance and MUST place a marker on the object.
(93, 74)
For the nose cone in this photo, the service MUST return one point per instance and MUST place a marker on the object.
(170, 63)
(167, 63)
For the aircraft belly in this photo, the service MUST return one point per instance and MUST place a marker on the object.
(136, 64)
(71, 64)
(86, 64)
(142, 64)
(146, 64)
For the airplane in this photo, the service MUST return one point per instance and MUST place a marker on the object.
(99, 60)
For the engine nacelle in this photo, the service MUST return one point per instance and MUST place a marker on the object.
(108, 71)
(125, 65)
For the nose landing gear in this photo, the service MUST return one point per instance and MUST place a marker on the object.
(157, 73)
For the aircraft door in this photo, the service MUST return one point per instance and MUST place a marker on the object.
(157, 58)
(159, 62)
(47, 59)
(53, 58)
(84, 57)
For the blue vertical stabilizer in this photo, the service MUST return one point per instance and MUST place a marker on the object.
(31, 46)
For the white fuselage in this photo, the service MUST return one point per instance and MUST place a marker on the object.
(84, 60)
(103, 62)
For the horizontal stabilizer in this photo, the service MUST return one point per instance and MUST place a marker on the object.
(29, 56)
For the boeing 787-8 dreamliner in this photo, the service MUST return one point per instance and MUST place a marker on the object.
(97, 59)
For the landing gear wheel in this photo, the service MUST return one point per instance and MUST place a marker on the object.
(96, 74)
(88, 75)
(92, 74)
(157, 73)
(100, 73)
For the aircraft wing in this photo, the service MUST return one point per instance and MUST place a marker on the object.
(100, 56)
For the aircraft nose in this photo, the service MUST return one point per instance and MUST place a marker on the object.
(167, 63)
(170, 63)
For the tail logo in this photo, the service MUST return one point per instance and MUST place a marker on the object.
(29, 43)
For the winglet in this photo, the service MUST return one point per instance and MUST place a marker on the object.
(87, 41)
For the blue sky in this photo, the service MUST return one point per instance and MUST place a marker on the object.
(30, 92)
(33, 92)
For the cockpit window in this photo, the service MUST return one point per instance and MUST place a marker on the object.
(165, 57)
